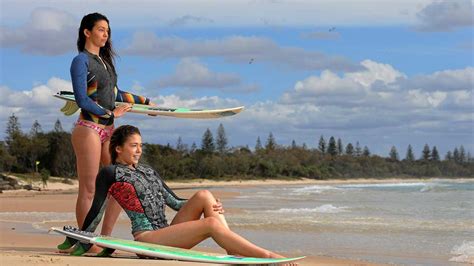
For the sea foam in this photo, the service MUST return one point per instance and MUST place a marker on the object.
(463, 253)
(387, 185)
(315, 189)
(327, 208)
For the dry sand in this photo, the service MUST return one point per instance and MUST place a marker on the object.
(22, 244)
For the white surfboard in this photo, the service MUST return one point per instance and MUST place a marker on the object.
(71, 107)
(164, 252)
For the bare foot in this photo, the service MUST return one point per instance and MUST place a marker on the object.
(278, 256)
(94, 249)
(275, 255)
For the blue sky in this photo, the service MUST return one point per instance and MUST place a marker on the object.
(379, 72)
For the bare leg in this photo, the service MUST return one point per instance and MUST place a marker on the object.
(87, 148)
(189, 234)
(200, 203)
(113, 209)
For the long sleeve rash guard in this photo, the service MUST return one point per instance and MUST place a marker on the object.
(141, 192)
(95, 88)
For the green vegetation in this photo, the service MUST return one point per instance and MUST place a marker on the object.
(214, 159)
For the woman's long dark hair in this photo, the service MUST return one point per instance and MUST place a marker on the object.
(107, 53)
(119, 137)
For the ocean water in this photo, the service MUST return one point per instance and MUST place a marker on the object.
(421, 223)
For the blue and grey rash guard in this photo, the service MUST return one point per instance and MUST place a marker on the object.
(141, 192)
(95, 88)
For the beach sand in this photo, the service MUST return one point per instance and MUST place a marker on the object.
(22, 243)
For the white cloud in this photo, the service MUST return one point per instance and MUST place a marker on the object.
(237, 49)
(48, 31)
(446, 80)
(382, 86)
(45, 19)
(233, 13)
(426, 99)
(174, 101)
(446, 15)
(192, 73)
(384, 73)
(36, 103)
(365, 115)
(188, 19)
(350, 90)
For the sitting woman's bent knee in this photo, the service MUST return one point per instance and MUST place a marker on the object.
(204, 194)
(212, 222)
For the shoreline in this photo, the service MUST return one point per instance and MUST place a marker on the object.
(60, 187)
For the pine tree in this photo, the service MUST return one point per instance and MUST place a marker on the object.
(221, 141)
(37, 145)
(410, 156)
(207, 144)
(36, 129)
(394, 154)
(304, 147)
(366, 152)
(462, 154)
(293, 144)
(435, 154)
(193, 147)
(271, 143)
(258, 145)
(456, 155)
(358, 150)
(322, 145)
(449, 156)
(58, 127)
(340, 148)
(426, 153)
(350, 149)
(13, 129)
(332, 148)
(180, 146)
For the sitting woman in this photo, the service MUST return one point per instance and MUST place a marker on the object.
(143, 195)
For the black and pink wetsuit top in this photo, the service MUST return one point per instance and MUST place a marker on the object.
(141, 192)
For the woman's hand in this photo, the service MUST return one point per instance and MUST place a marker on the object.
(218, 207)
(122, 109)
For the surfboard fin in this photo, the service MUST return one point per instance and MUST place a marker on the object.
(69, 108)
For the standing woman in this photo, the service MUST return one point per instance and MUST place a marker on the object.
(94, 82)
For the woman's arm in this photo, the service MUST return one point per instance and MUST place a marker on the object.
(79, 67)
(127, 97)
(171, 199)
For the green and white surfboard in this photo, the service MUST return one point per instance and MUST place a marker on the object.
(71, 107)
(165, 252)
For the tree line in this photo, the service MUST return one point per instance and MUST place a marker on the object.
(215, 159)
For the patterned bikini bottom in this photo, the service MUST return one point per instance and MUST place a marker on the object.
(104, 133)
